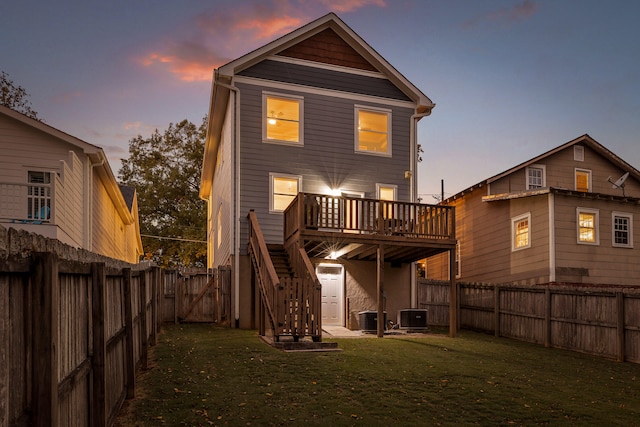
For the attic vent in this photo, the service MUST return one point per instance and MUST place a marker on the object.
(578, 153)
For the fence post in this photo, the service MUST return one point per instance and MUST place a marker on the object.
(547, 317)
(45, 300)
(98, 279)
(496, 310)
(129, 362)
(155, 274)
(620, 326)
(143, 320)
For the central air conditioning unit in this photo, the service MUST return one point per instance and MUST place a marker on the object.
(413, 319)
(369, 321)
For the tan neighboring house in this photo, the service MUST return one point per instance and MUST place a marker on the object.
(569, 215)
(61, 187)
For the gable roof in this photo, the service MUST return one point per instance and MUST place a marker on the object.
(95, 154)
(585, 140)
(301, 43)
(371, 59)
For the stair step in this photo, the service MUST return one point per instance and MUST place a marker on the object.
(280, 260)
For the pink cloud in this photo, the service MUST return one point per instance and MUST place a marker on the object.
(342, 6)
(269, 28)
(506, 16)
(215, 36)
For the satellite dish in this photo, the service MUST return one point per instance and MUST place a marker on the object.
(619, 182)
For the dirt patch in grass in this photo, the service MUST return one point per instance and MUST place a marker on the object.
(205, 375)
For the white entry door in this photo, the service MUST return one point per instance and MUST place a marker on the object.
(331, 276)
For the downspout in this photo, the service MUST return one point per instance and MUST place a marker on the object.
(413, 188)
(236, 206)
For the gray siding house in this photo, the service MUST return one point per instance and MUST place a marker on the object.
(311, 152)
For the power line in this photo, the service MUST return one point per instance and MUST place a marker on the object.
(173, 238)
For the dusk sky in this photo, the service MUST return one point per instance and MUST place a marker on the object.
(510, 79)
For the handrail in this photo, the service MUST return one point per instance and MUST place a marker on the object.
(267, 277)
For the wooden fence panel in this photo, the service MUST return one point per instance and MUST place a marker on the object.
(521, 314)
(15, 354)
(434, 297)
(196, 298)
(603, 323)
(632, 328)
(169, 302)
(74, 347)
(67, 341)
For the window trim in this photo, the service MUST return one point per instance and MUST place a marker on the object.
(575, 179)
(629, 217)
(272, 177)
(578, 153)
(596, 226)
(265, 96)
(514, 222)
(356, 135)
(544, 176)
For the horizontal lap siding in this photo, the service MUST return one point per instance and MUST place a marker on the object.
(327, 158)
(221, 196)
(602, 263)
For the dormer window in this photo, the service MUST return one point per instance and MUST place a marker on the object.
(536, 177)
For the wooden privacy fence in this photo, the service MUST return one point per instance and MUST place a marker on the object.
(72, 336)
(599, 321)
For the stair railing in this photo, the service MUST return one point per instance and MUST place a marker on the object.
(267, 278)
(310, 319)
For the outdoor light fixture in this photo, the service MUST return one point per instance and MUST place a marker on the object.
(273, 117)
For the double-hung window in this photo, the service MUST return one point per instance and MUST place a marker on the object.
(622, 233)
(39, 195)
(283, 189)
(521, 232)
(536, 177)
(587, 220)
(282, 118)
(373, 131)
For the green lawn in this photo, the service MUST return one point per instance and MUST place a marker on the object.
(206, 375)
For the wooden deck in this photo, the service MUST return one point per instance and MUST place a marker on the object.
(354, 228)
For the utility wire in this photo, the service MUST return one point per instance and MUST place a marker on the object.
(173, 238)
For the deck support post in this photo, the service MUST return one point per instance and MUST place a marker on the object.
(380, 280)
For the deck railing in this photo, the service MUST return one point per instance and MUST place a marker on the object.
(357, 215)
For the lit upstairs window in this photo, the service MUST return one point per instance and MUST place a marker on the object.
(373, 134)
(282, 118)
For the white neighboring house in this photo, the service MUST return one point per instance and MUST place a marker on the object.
(58, 186)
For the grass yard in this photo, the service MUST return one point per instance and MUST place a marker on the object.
(206, 375)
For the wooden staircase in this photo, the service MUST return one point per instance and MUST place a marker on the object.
(280, 260)
(290, 294)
